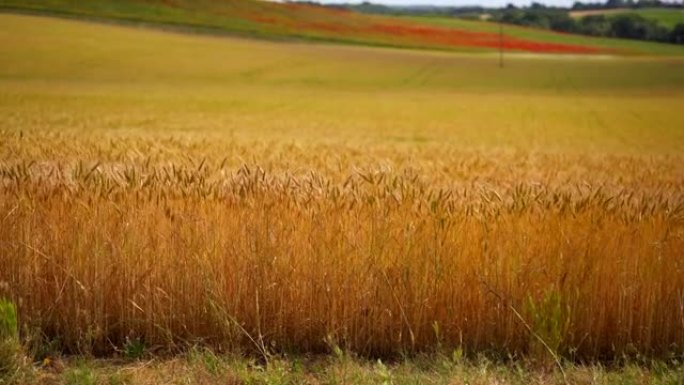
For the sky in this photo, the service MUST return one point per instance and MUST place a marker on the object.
(458, 2)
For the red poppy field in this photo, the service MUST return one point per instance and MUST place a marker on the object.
(345, 25)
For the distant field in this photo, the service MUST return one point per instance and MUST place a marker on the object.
(310, 92)
(665, 17)
(162, 190)
(609, 44)
(288, 21)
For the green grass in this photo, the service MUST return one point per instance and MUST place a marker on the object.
(276, 21)
(204, 367)
(665, 17)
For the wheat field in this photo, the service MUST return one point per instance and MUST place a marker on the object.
(397, 203)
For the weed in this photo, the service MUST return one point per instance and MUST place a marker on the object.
(81, 374)
(11, 359)
(134, 349)
(549, 324)
(207, 359)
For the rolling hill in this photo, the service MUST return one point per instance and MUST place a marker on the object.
(302, 21)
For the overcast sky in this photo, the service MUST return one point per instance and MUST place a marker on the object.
(456, 2)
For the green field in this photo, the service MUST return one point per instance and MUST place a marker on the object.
(665, 17)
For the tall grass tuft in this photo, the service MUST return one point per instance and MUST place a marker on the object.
(11, 360)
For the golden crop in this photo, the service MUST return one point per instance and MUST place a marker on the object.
(384, 251)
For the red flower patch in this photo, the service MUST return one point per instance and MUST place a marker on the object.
(303, 19)
(459, 38)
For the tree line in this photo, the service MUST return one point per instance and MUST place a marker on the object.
(626, 25)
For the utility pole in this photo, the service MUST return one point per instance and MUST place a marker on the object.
(501, 46)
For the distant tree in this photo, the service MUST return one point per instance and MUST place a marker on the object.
(511, 16)
(535, 19)
(677, 34)
(647, 4)
(581, 5)
(594, 25)
(628, 26)
(561, 21)
(633, 26)
(615, 3)
(623, 25)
